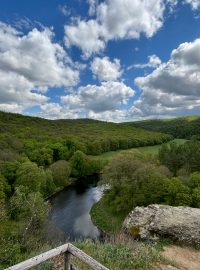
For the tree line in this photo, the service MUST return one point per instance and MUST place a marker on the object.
(172, 178)
(183, 127)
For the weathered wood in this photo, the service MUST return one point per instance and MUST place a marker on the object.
(67, 261)
(39, 259)
(74, 267)
(85, 258)
(67, 250)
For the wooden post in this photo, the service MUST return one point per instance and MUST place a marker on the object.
(67, 256)
(67, 250)
(85, 258)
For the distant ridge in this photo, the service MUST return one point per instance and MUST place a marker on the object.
(97, 136)
(187, 127)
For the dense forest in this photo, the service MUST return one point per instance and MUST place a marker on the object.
(172, 177)
(90, 136)
(183, 127)
(38, 158)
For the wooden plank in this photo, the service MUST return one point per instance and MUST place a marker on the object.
(74, 267)
(69, 248)
(40, 258)
(85, 258)
(67, 261)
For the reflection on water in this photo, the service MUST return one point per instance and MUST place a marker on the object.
(70, 211)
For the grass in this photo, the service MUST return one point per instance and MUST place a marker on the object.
(122, 253)
(152, 150)
(105, 219)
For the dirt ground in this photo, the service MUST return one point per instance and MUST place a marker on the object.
(183, 258)
(180, 258)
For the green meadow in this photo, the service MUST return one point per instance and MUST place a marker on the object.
(152, 150)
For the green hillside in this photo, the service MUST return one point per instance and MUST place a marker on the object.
(183, 127)
(92, 137)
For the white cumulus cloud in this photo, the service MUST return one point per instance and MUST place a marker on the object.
(29, 65)
(115, 19)
(154, 62)
(108, 96)
(111, 116)
(195, 4)
(105, 70)
(174, 87)
(56, 111)
(85, 35)
(92, 6)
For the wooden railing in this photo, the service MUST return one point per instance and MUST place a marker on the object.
(68, 250)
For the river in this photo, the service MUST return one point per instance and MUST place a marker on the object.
(71, 208)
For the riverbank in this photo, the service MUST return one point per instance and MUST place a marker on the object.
(71, 207)
(104, 218)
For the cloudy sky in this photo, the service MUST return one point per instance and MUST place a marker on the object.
(113, 60)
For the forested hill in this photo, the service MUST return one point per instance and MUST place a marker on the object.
(90, 136)
(183, 127)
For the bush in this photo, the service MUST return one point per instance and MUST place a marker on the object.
(61, 171)
(34, 178)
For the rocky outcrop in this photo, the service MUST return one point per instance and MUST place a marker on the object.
(178, 223)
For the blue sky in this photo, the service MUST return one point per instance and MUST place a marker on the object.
(113, 60)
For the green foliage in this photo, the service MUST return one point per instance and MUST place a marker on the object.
(61, 171)
(22, 237)
(37, 137)
(191, 154)
(5, 187)
(3, 212)
(82, 165)
(177, 193)
(196, 197)
(79, 164)
(8, 170)
(176, 157)
(9, 242)
(133, 183)
(48, 187)
(183, 127)
(171, 156)
(34, 178)
(2, 193)
(42, 156)
(195, 180)
(29, 206)
(103, 216)
(73, 144)
(150, 185)
(33, 165)
(118, 254)
(60, 152)
(136, 182)
(120, 167)
(29, 175)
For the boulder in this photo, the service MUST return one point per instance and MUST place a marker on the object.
(177, 223)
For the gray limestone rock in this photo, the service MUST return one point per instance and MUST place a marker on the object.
(178, 223)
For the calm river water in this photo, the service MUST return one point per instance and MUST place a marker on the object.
(71, 208)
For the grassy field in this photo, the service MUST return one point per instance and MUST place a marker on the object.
(122, 253)
(153, 150)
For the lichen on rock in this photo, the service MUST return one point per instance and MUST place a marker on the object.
(178, 223)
